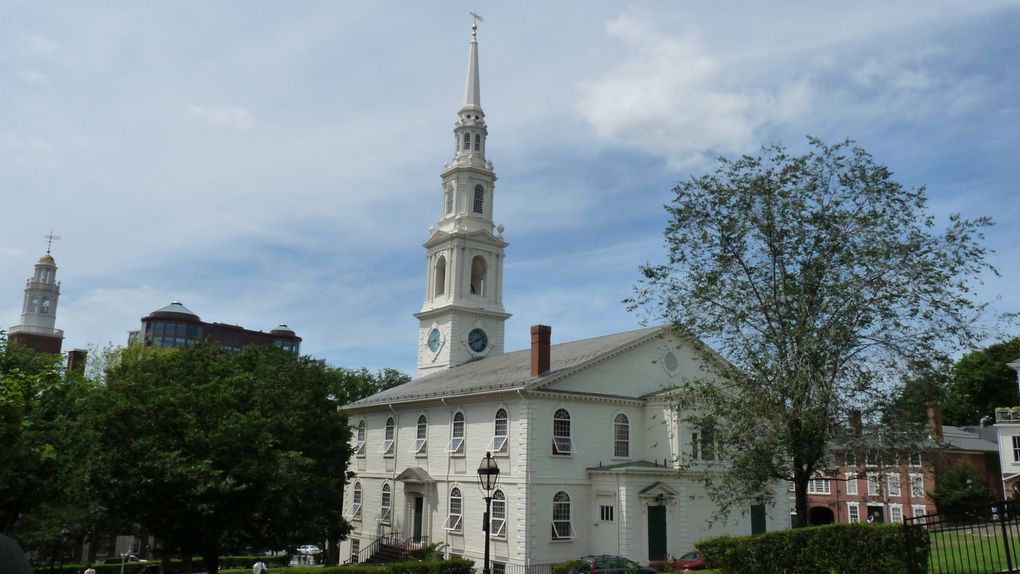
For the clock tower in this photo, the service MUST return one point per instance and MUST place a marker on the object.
(462, 317)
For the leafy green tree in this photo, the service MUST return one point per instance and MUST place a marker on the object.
(982, 381)
(958, 488)
(820, 280)
(207, 449)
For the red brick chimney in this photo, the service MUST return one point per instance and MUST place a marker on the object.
(540, 338)
(935, 422)
(855, 423)
(76, 361)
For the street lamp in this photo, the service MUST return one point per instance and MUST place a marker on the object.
(488, 476)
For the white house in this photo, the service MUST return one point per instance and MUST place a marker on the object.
(583, 433)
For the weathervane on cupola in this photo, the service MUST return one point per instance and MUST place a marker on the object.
(462, 317)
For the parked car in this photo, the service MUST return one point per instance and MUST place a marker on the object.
(609, 564)
(308, 549)
(128, 559)
(693, 560)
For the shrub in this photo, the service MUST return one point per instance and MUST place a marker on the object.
(836, 548)
(569, 567)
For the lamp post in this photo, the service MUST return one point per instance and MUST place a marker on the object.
(488, 475)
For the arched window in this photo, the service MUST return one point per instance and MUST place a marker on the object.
(467, 140)
(422, 432)
(478, 142)
(457, 441)
(497, 518)
(500, 428)
(479, 199)
(45, 305)
(355, 510)
(562, 527)
(453, 519)
(441, 275)
(385, 504)
(359, 445)
(35, 305)
(478, 276)
(621, 436)
(562, 443)
(387, 443)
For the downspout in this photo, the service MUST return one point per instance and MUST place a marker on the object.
(527, 475)
(393, 473)
(448, 461)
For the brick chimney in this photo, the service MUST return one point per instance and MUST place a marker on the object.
(855, 423)
(935, 422)
(76, 361)
(540, 338)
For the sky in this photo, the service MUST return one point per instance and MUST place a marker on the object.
(278, 162)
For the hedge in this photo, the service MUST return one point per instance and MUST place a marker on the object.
(451, 566)
(835, 548)
(197, 565)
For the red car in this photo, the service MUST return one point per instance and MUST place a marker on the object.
(691, 561)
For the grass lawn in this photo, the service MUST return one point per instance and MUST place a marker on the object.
(972, 551)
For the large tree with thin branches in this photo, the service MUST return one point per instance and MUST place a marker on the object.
(821, 281)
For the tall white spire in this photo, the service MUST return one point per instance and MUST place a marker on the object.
(472, 89)
(462, 317)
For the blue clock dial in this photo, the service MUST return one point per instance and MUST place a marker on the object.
(435, 338)
(478, 340)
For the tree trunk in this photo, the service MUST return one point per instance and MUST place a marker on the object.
(186, 562)
(211, 557)
(800, 484)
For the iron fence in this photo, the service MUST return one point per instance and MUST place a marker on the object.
(977, 540)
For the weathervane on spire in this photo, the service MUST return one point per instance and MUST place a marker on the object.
(49, 240)
(475, 19)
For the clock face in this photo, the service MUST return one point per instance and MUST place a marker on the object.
(435, 338)
(478, 340)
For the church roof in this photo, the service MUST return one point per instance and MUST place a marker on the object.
(509, 371)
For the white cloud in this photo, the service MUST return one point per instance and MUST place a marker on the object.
(33, 77)
(671, 97)
(221, 116)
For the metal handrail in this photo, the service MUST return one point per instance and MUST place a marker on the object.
(391, 539)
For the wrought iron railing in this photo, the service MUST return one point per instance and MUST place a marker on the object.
(389, 542)
(976, 540)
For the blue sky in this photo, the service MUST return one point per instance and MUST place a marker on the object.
(269, 162)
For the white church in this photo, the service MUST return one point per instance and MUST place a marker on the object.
(583, 432)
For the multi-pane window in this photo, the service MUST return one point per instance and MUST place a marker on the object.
(853, 512)
(421, 432)
(893, 479)
(498, 568)
(479, 199)
(915, 459)
(387, 444)
(917, 485)
(872, 459)
(606, 513)
(562, 527)
(621, 436)
(562, 443)
(918, 510)
(851, 483)
(457, 441)
(1016, 449)
(500, 429)
(453, 519)
(467, 140)
(355, 550)
(385, 504)
(497, 520)
(850, 459)
(873, 484)
(355, 509)
(359, 445)
(703, 445)
(896, 513)
(478, 142)
(819, 486)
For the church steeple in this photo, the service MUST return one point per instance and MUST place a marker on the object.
(462, 317)
(39, 310)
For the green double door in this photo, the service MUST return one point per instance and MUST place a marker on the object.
(656, 532)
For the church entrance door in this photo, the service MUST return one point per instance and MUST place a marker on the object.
(656, 533)
(419, 511)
